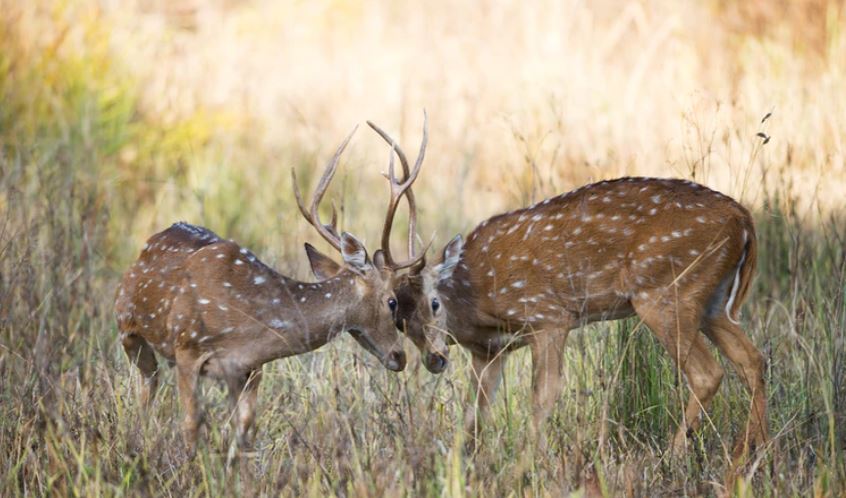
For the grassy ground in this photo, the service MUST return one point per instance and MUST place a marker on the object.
(99, 147)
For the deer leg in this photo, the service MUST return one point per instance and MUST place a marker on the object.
(749, 364)
(547, 351)
(187, 375)
(704, 376)
(678, 333)
(243, 393)
(141, 354)
(485, 377)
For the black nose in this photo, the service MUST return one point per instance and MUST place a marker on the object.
(436, 362)
(395, 361)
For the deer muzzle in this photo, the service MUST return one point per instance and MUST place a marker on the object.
(395, 361)
(392, 360)
(435, 362)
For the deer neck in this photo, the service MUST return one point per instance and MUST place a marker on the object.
(459, 297)
(302, 317)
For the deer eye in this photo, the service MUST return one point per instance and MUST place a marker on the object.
(435, 305)
(392, 303)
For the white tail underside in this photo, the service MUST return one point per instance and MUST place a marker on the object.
(736, 284)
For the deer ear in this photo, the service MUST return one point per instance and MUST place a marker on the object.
(452, 253)
(321, 265)
(379, 259)
(354, 253)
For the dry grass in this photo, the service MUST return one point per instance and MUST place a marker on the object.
(118, 118)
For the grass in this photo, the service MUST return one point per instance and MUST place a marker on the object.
(96, 153)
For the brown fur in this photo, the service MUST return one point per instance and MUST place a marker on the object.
(666, 250)
(215, 310)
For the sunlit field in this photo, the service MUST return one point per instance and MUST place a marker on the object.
(119, 118)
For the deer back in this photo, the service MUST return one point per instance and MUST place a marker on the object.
(587, 253)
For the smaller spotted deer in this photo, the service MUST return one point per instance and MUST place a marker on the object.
(674, 253)
(213, 309)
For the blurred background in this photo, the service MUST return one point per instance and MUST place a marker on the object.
(197, 110)
(118, 118)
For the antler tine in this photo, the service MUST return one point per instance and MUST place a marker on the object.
(398, 189)
(327, 231)
(412, 215)
(393, 203)
(382, 133)
(297, 195)
(333, 224)
(412, 205)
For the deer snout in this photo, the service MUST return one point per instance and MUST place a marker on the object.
(436, 362)
(395, 361)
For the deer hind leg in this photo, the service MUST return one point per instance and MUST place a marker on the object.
(243, 394)
(547, 352)
(749, 364)
(704, 376)
(142, 355)
(485, 376)
(677, 330)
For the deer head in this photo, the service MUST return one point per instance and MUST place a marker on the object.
(418, 310)
(372, 325)
(421, 314)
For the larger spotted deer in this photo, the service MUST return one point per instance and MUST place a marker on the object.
(215, 310)
(674, 253)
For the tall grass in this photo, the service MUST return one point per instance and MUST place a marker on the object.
(116, 122)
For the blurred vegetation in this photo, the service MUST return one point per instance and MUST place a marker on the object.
(115, 122)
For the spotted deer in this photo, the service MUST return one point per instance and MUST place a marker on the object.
(676, 254)
(212, 308)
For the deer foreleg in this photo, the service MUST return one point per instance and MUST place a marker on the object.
(547, 351)
(485, 374)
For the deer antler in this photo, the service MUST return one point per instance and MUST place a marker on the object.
(398, 189)
(327, 231)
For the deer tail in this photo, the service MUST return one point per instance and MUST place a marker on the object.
(743, 275)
